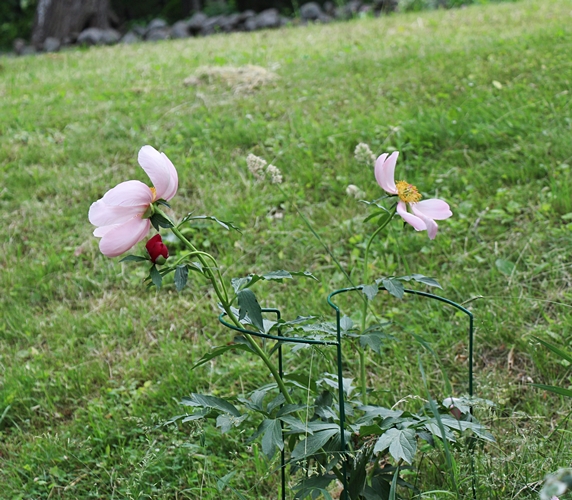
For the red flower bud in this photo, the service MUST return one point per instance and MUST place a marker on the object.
(157, 250)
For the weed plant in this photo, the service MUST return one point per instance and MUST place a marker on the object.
(477, 101)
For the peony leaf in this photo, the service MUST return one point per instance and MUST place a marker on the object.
(156, 277)
(249, 306)
(181, 275)
(133, 258)
(402, 444)
(394, 287)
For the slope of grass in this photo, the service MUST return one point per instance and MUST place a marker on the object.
(476, 100)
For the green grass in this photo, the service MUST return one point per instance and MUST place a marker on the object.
(478, 102)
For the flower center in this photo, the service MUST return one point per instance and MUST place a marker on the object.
(154, 191)
(407, 192)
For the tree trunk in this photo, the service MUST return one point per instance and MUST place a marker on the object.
(66, 19)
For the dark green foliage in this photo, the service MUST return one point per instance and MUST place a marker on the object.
(146, 10)
(16, 19)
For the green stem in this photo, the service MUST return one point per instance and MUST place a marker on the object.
(361, 350)
(222, 295)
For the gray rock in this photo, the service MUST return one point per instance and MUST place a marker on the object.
(250, 24)
(311, 11)
(52, 44)
(110, 36)
(29, 50)
(139, 30)
(196, 23)
(130, 37)
(212, 25)
(96, 36)
(19, 45)
(329, 8)
(157, 34)
(269, 18)
(180, 30)
(325, 18)
(90, 36)
(229, 23)
(156, 24)
(247, 14)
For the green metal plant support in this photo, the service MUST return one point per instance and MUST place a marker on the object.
(338, 344)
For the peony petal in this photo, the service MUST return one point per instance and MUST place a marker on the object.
(415, 221)
(429, 222)
(434, 208)
(101, 231)
(159, 171)
(124, 236)
(385, 172)
(101, 214)
(174, 179)
(128, 193)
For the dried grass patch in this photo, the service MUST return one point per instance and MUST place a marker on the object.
(240, 79)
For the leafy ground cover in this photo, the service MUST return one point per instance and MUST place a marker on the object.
(477, 100)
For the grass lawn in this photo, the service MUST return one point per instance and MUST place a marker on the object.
(478, 102)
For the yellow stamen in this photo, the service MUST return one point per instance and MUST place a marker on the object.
(407, 192)
(154, 191)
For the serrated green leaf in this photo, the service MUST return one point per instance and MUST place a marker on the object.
(309, 486)
(159, 221)
(246, 282)
(197, 265)
(256, 399)
(426, 280)
(277, 275)
(373, 340)
(463, 425)
(134, 258)
(313, 443)
(156, 277)
(197, 415)
(239, 283)
(204, 401)
(163, 202)
(370, 291)
(249, 306)
(401, 443)
(296, 425)
(346, 323)
(394, 287)
(181, 275)
(225, 224)
(289, 408)
(217, 351)
(275, 403)
(272, 437)
(304, 274)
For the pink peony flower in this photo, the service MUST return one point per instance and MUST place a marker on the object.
(122, 215)
(424, 213)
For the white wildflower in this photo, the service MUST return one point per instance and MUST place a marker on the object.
(256, 166)
(363, 154)
(355, 192)
(275, 174)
